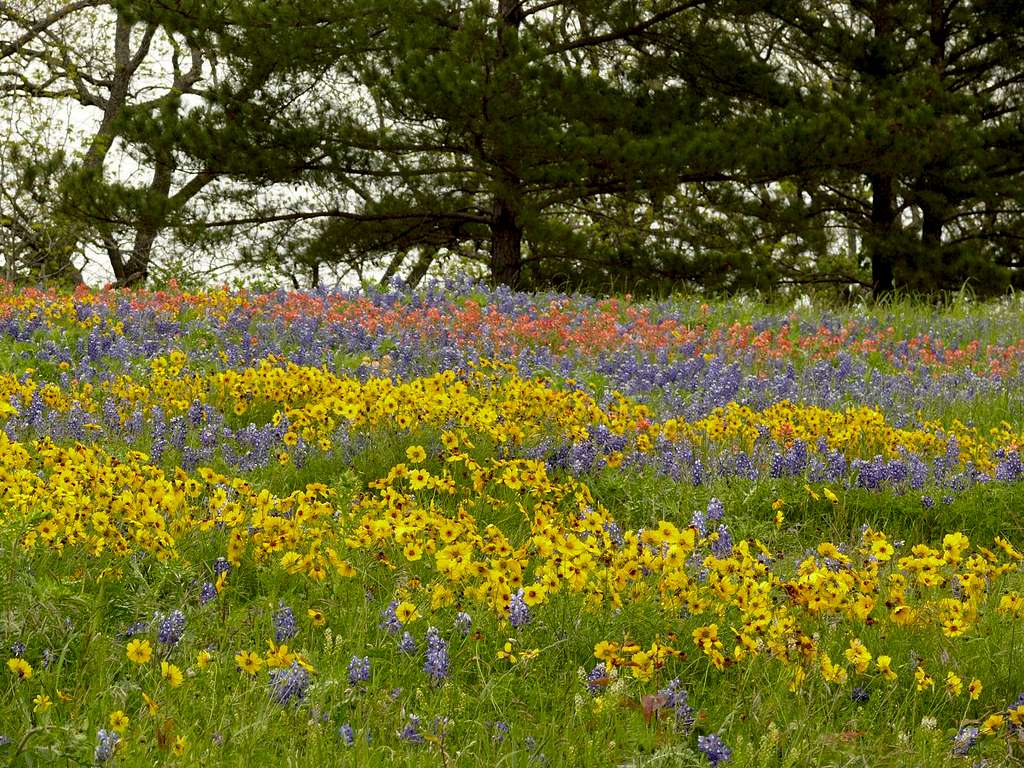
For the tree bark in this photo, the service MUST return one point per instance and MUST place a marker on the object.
(506, 257)
(881, 248)
(151, 221)
(506, 245)
(392, 269)
(879, 240)
(932, 221)
(419, 269)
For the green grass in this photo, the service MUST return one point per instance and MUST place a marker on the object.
(62, 602)
(76, 607)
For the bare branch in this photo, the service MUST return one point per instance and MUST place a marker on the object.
(628, 32)
(338, 214)
(37, 28)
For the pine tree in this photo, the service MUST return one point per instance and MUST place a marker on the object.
(117, 63)
(919, 102)
(474, 123)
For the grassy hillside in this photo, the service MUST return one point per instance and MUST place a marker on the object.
(464, 527)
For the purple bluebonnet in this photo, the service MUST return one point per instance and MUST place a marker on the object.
(677, 700)
(285, 626)
(133, 426)
(714, 749)
(582, 457)
(918, 471)
(189, 458)
(598, 673)
(178, 432)
(288, 686)
(411, 731)
(716, 510)
(207, 592)
(1010, 467)
(111, 415)
(965, 738)
(698, 520)
(106, 744)
(158, 434)
(359, 670)
(134, 629)
(700, 475)
(796, 458)
(501, 730)
(171, 628)
(722, 546)
(463, 622)
(196, 413)
(18, 649)
(389, 619)
(436, 664)
(347, 734)
(860, 695)
(407, 644)
(518, 611)
(615, 535)
(744, 467)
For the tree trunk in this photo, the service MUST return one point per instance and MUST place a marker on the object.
(931, 229)
(506, 245)
(151, 221)
(935, 264)
(506, 258)
(392, 269)
(126, 63)
(881, 245)
(851, 246)
(419, 269)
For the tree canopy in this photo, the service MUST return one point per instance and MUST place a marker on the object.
(722, 145)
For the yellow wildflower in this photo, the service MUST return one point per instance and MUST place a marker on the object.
(42, 703)
(118, 721)
(992, 723)
(249, 662)
(954, 685)
(139, 651)
(884, 664)
(406, 612)
(924, 680)
(20, 667)
(171, 673)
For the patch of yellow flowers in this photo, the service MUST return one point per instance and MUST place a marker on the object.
(468, 530)
(490, 400)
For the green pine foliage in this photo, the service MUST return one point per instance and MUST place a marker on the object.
(727, 146)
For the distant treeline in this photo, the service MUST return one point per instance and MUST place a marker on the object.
(594, 145)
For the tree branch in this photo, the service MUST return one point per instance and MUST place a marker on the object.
(42, 25)
(624, 34)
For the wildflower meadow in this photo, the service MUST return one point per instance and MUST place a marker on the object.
(463, 526)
